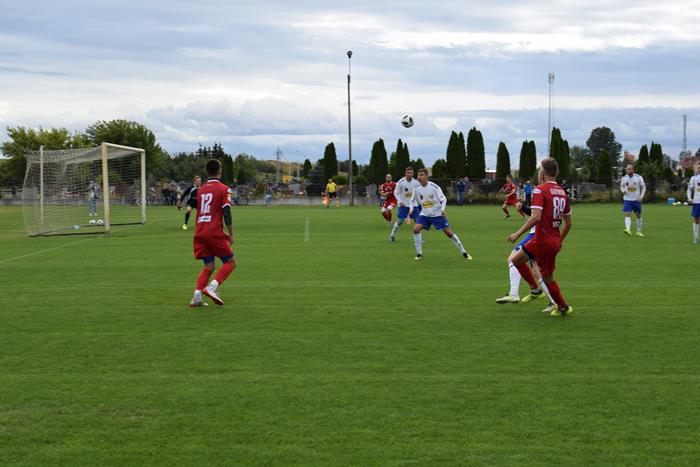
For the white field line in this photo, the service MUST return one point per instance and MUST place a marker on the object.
(46, 250)
(77, 242)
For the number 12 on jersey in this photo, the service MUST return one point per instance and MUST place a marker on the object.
(205, 200)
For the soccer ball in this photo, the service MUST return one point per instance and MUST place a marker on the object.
(100, 222)
(407, 121)
(93, 222)
(685, 203)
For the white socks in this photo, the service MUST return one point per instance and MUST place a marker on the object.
(639, 224)
(397, 224)
(544, 289)
(514, 280)
(628, 223)
(214, 284)
(197, 295)
(418, 242)
(458, 244)
(696, 228)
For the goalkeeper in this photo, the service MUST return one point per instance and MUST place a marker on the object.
(189, 196)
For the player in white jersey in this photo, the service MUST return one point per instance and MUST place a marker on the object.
(403, 193)
(432, 201)
(633, 190)
(694, 190)
(513, 295)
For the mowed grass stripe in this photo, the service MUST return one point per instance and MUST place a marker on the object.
(343, 350)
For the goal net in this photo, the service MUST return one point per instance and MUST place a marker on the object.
(80, 191)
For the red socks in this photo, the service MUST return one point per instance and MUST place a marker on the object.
(203, 278)
(556, 294)
(223, 273)
(526, 273)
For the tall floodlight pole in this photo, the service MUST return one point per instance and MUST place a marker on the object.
(352, 195)
(550, 78)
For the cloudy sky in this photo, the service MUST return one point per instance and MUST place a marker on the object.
(256, 75)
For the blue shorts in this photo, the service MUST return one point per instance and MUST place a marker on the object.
(696, 210)
(403, 212)
(439, 222)
(632, 206)
(527, 238)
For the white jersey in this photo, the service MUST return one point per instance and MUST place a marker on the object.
(404, 190)
(694, 189)
(633, 188)
(430, 198)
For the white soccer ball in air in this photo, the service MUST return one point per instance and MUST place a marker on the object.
(407, 121)
(100, 222)
(93, 222)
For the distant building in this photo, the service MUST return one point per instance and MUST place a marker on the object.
(688, 162)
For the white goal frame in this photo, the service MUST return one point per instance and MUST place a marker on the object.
(107, 152)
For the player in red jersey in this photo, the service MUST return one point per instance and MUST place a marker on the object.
(511, 191)
(210, 240)
(550, 206)
(387, 192)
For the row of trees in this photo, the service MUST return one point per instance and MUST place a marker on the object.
(596, 161)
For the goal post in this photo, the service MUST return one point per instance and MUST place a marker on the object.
(84, 190)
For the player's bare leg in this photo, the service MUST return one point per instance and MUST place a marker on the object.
(225, 270)
(504, 207)
(418, 241)
(457, 243)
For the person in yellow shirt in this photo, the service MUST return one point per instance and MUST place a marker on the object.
(332, 193)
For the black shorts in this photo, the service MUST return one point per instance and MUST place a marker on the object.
(192, 203)
(333, 195)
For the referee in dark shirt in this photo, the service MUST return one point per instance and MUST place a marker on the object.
(189, 196)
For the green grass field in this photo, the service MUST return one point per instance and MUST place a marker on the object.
(343, 350)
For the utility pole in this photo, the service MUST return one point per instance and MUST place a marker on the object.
(278, 153)
(685, 133)
(550, 78)
(352, 195)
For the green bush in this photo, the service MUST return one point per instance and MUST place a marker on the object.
(340, 179)
(360, 181)
(597, 197)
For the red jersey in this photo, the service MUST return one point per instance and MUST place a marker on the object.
(552, 200)
(213, 196)
(508, 187)
(390, 187)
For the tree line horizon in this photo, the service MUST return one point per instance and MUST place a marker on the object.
(464, 157)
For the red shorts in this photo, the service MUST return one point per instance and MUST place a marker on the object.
(544, 254)
(511, 201)
(388, 203)
(208, 247)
